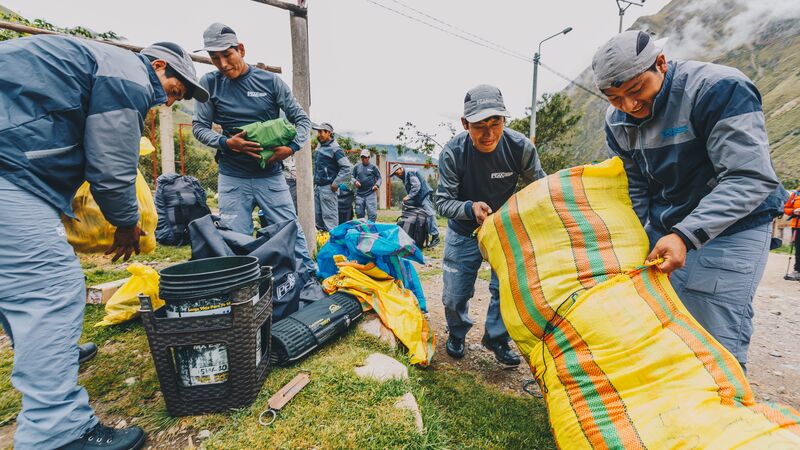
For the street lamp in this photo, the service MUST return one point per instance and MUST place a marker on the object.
(535, 79)
(622, 9)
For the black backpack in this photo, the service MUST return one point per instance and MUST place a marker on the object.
(414, 222)
(346, 205)
(179, 200)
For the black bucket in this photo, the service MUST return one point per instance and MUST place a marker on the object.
(202, 288)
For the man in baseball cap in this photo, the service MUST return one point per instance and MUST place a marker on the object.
(700, 177)
(76, 108)
(367, 180)
(242, 94)
(478, 173)
(331, 168)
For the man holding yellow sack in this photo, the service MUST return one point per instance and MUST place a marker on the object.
(78, 119)
(695, 148)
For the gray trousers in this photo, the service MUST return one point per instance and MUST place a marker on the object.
(42, 297)
(239, 196)
(368, 203)
(462, 260)
(718, 283)
(326, 208)
(433, 228)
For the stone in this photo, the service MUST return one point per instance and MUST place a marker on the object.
(781, 390)
(121, 424)
(775, 354)
(474, 347)
(130, 381)
(777, 373)
(374, 327)
(409, 402)
(381, 367)
(773, 296)
(203, 434)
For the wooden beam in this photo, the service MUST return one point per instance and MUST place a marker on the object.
(19, 28)
(299, 10)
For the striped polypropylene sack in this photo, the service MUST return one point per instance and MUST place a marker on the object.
(620, 360)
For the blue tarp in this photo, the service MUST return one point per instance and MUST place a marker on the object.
(386, 245)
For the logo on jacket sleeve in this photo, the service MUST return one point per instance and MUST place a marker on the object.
(672, 132)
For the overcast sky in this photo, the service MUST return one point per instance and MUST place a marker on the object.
(372, 70)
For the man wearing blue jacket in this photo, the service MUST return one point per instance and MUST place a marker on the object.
(700, 177)
(478, 173)
(331, 168)
(367, 179)
(71, 110)
(240, 95)
(418, 195)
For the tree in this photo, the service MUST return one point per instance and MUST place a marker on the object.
(555, 123)
(412, 139)
(45, 25)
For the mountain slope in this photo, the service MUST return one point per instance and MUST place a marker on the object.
(762, 39)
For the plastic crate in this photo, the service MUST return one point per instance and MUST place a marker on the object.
(236, 330)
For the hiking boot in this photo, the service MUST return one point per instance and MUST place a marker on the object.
(101, 437)
(502, 352)
(434, 241)
(86, 352)
(455, 347)
(794, 276)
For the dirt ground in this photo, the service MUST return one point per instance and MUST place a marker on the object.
(774, 360)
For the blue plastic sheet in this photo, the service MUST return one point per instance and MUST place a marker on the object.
(386, 245)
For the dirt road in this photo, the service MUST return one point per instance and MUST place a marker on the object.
(774, 361)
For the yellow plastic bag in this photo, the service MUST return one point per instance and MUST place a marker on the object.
(91, 233)
(124, 304)
(396, 306)
(620, 360)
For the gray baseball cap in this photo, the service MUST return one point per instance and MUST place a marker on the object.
(218, 37)
(365, 153)
(482, 102)
(322, 126)
(624, 57)
(177, 58)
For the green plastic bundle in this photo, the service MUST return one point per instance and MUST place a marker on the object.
(270, 134)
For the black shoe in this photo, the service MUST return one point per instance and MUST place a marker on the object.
(455, 347)
(106, 438)
(434, 241)
(86, 352)
(501, 351)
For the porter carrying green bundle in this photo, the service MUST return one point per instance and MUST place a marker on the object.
(270, 134)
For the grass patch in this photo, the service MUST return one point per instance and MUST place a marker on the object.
(429, 274)
(784, 249)
(485, 274)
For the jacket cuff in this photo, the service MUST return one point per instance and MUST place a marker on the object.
(223, 143)
(295, 148)
(692, 240)
(468, 209)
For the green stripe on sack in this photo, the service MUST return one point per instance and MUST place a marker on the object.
(589, 236)
(597, 407)
(519, 265)
(738, 388)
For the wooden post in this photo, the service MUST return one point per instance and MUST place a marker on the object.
(167, 143)
(380, 161)
(301, 86)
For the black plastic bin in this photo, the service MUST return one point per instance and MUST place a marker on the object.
(236, 331)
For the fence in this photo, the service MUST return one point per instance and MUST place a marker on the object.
(192, 157)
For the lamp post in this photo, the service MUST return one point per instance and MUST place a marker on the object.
(536, 59)
(622, 9)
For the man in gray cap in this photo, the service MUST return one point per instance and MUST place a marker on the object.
(418, 195)
(367, 180)
(331, 168)
(696, 153)
(242, 94)
(478, 173)
(72, 112)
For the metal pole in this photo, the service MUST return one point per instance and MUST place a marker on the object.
(621, 15)
(533, 99)
(301, 86)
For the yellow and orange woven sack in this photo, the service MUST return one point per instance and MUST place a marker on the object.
(620, 360)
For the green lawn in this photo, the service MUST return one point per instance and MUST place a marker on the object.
(336, 410)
